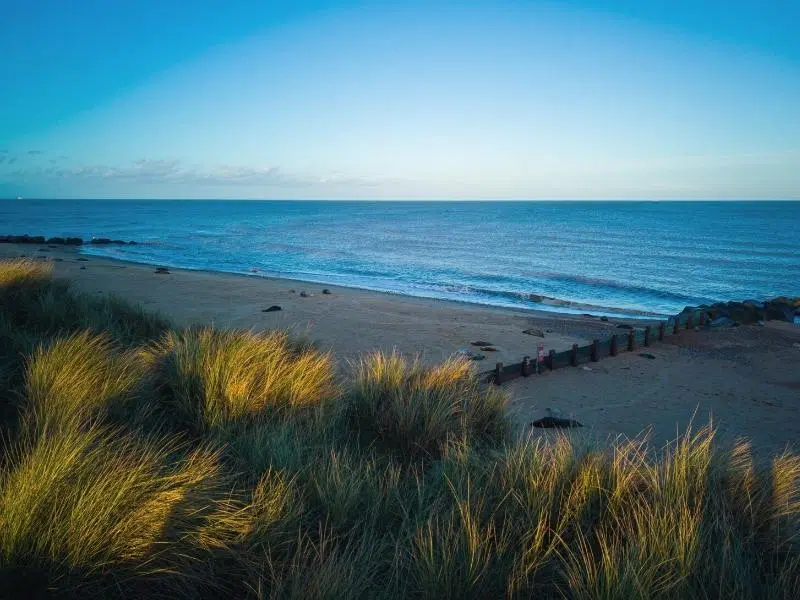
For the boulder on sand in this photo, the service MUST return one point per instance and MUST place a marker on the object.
(273, 308)
(533, 331)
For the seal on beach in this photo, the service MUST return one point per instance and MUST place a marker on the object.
(554, 422)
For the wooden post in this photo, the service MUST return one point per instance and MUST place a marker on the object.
(631, 340)
(647, 335)
(573, 357)
(498, 373)
(526, 366)
(594, 350)
(676, 325)
(661, 332)
(613, 351)
(689, 324)
(552, 359)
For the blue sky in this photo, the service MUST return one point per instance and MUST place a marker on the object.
(493, 99)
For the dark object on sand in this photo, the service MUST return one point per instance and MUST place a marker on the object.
(272, 308)
(481, 343)
(162, 271)
(647, 355)
(488, 348)
(326, 291)
(604, 319)
(305, 294)
(555, 422)
(477, 357)
(81, 259)
(536, 332)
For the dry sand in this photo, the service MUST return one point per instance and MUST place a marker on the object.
(747, 377)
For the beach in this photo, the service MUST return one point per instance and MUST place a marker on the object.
(746, 377)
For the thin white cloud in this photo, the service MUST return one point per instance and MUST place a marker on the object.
(173, 171)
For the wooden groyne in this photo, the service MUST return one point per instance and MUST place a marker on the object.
(629, 341)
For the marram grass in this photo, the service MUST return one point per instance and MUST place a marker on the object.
(399, 481)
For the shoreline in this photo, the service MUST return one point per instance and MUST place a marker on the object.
(557, 306)
(543, 303)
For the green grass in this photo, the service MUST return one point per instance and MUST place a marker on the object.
(144, 461)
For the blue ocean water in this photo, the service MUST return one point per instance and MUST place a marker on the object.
(600, 257)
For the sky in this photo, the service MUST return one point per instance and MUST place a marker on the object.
(300, 99)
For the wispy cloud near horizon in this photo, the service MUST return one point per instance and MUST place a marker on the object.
(145, 171)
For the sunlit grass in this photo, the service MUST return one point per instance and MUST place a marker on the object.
(212, 377)
(194, 463)
(415, 410)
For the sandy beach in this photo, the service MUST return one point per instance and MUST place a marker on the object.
(747, 378)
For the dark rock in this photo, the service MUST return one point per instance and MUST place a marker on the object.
(555, 422)
(779, 309)
(305, 294)
(326, 291)
(132, 243)
(83, 268)
(647, 355)
(488, 348)
(481, 343)
(536, 332)
(478, 357)
(536, 298)
(81, 259)
(74, 241)
(56, 240)
(101, 241)
(292, 291)
(119, 242)
(604, 319)
(272, 308)
(162, 271)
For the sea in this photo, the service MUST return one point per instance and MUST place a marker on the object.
(604, 258)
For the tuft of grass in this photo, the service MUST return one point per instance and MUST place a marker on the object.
(211, 378)
(415, 410)
(98, 511)
(30, 299)
(78, 379)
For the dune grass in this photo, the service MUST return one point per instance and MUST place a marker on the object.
(211, 378)
(145, 461)
(416, 410)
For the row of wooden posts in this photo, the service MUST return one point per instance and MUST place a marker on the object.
(597, 349)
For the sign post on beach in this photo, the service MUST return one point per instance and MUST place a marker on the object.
(539, 357)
